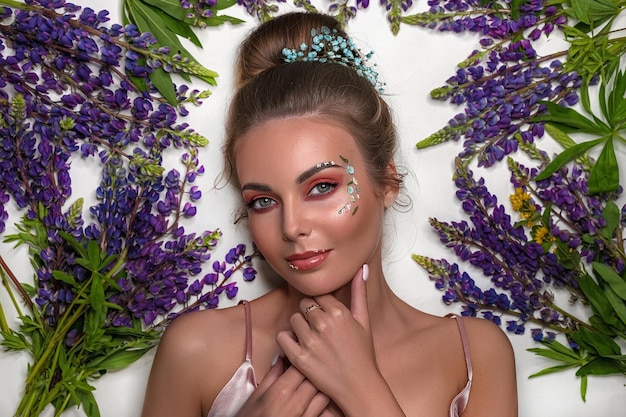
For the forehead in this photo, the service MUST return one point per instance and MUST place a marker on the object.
(292, 144)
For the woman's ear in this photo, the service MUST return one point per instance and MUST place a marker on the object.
(392, 188)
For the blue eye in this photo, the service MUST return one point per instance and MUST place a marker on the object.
(261, 203)
(322, 188)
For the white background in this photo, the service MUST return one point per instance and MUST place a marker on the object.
(411, 63)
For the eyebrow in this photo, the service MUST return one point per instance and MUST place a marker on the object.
(301, 178)
(256, 187)
(315, 169)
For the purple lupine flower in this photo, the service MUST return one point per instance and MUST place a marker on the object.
(54, 118)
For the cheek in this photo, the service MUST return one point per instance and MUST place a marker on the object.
(264, 231)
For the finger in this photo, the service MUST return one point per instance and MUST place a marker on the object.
(288, 343)
(358, 301)
(272, 375)
(317, 405)
(332, 411)
(309, 306)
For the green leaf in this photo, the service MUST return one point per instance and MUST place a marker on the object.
(119, 360)
(93, 255)
(554, 355)
(64, 365)
(181, 28)
(559, 135)
(13, 340)
(162, 80)
(566, 156)
(616, 98)
(31, 324)
(220, 20)
(611, 277)
(89, 403)
(567, 257)
(584, 96)
(515, 9)
(62, 276)
(30, 290)
(224, 4)
(570, 117)
(601, 366)
(97, 293)
(553, 369)
(171, 7)
(617, 303)
(611, 215)
(597, 298)
(594, 341)
(583, 387)
(593, 11)
(566, 353)
(604, 176)
(74, 244)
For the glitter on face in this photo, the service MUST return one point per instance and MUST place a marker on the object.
(353, 190)
(325, 164)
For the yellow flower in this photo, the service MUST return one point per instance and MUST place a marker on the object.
(519, 199)
(521, 203)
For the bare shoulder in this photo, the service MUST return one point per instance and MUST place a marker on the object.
(483, 329)
(487, 335)
(188, 368)
(197, 332)
(494, 386)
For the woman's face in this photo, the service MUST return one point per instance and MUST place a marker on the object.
(312, 210)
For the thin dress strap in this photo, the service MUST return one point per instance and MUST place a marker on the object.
(460, 400)
(243, 382)
(246, 306)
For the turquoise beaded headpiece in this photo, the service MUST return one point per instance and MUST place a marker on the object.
(327, 46)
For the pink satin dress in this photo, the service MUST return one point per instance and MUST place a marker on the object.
(235, 393)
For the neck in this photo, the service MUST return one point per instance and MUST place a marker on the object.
(379, 295)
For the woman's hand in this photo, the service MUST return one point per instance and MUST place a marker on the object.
(332, 345)
(285, 392)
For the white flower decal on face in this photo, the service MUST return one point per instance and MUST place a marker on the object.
(353, 190)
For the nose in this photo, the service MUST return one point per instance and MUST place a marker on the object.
(296, 223)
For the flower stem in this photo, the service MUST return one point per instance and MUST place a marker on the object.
(5, 269)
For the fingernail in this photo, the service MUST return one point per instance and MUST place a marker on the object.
(365, 273)
(275, 360)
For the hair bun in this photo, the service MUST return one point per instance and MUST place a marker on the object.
(263, 48)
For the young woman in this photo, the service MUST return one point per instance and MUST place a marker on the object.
(310, 144)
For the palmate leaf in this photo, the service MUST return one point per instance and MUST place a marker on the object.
(592, 12)
(569, 117)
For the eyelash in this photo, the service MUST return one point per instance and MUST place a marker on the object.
(331, 185)
(252, 203)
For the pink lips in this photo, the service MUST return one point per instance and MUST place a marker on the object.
(307, 260)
